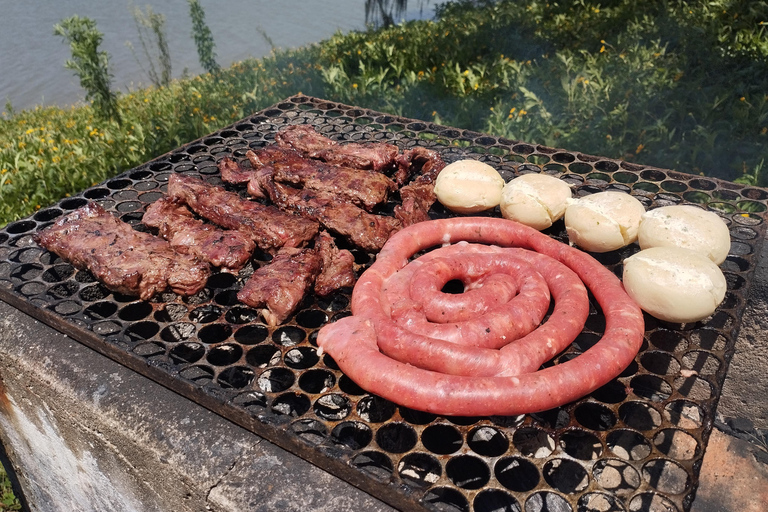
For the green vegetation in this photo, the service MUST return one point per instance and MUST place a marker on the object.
(7, 499)
(203, 37)
(154, 45)
(669, 83)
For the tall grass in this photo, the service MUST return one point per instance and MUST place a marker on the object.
(668, 83)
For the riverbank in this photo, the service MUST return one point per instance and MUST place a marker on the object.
(667, 84)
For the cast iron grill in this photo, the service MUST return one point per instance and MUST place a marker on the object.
(635, 444)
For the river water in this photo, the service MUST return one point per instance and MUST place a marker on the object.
(32, 59)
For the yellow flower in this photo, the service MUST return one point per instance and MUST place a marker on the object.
(602, 49)
(639, 148)
(523, 112)
(30, 131)
(742, 99)
(22, 145)
(354, 86)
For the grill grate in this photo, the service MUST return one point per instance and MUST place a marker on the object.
(635, 444)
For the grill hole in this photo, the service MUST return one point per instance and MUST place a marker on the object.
(288, 336)
(332, 407)
(651, 501)
(214, 333)
(553, 418)
(142, 331)
(396, 437)
(311, 318)
(566, 475)
(446, 499)
(376, 464)
(639, 415)
(58, 273)
(291, 404)
(581, 445)
(276, 380)
(222, 280)
(544, 501)
(316, 381)
(263, 356)
(63, 290)
(684, 414)
(651, 387)
(226, 298)
(177, 332)
(374, 409)
(612, 393)
(599, 502)
(94, 293)
(487, 441)
(27, 272)
(224, 355)
(595, 416)
(310, 431)
(442, 439)
(628, 444)
(516, 474)
(301, 358)
(533, 442)
(201, 375)
(149, 349)
(100, 310)
(616, 476)
(419, 469)
(136, 311)
(669, 341)
(251, 334)
(96, 193)
(352, 434)
(68, 307)
(496, 501)
(676, 444)
(205, 314)
(348, 386)
(73, 203)
(666, 476)
(236, 377)
(467, 472)
(187, 352)
(415, 417)
(241, 315)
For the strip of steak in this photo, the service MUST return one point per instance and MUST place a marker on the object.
(123, 259)
(338, 266)
(268, 226)
(226, 248)
(280, 286)
(417, 199)
(377, 156)
(366, 230)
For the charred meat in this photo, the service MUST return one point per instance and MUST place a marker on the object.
(338, 266)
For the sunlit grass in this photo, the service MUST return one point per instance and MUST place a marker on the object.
(7, 499)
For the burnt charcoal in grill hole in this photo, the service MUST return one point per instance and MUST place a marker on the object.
(291, 404)
(516, 474)
(374, 409)
(205, 314)
(171, 313)
(301, 358)
(599, 502)
(63, 290)
(666, 476)
(415, 417)
(581, 445)
(396, 437)
(289, 336)
(311, 318)
(487, 441)
(533, 442)
(310, 431)
(352, 434)
(640, 416)
(628, 444)
(740, 248)
(200, 375)
(177, 332)
(68, 307)
(651, 501)
(445, 499)
(684, 414)
(612, 393)
(442, 439)
(317, 381)
(253, 401)
(565, 475)
(616, 476)
(214, 333)
(676, 444)
(332, 407)
(135, 311)
(376, 465)
(595, 416)
(695, 388)
(275, 380)
(336, 302)
(651, 387)
(85, 277)
(21, 227)
(149, 349)
(263, 356)
(467, 472)
(236, 377)
(221, 280)
(660, 363)
(226, 298)
(57, 273)
(241, 315)
(670, 341)
(251, 334)
(419, 469)
(224, 355)
(349, 387)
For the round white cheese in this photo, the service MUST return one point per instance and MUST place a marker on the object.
(673, 284)
(536, 200)
(469, 186)
(604, 221)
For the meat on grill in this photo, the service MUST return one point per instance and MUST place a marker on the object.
(337, 266)
(268, 226)
(377, 156)
(226, 248)
(279, 286)
(123, 259)
(366, 230)
(416, 200)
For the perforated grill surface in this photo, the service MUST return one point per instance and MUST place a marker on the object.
(635, 444)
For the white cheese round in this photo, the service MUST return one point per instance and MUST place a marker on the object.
(686, 226)
(604, 221)
(673, 284)
(469, 186)
(536, 200)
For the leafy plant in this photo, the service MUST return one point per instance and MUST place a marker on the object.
(89, 64)
(203, 37)
(154, 44)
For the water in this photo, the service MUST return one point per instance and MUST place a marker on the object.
(32, 59)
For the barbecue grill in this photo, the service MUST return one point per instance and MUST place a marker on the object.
(635, 444)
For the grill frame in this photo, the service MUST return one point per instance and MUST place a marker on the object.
(602, 435)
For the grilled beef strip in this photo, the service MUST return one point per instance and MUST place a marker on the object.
(268, 226)
(338, 266)
(279, 286)
(366, 230)
(226, 248)
(416, 200)
(123, 259)
(377, 156)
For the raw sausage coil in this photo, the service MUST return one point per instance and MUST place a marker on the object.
(465, 365)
